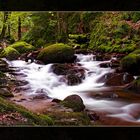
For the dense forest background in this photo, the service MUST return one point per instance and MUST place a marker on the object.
(98, 30)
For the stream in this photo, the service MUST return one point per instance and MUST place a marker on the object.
(41, 78)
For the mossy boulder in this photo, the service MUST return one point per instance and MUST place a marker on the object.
(131, 63)
(75, 102)
(57, 53)
(10, 53)
(22, 47)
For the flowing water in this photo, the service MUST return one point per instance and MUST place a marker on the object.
(41, 77)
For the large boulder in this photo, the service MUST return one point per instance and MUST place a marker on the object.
(119, 79)
(22, 47)
(57, 53)
(131, 63)
(75, 102)
(10, 53)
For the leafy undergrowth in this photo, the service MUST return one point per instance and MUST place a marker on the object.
(12, 114)
(111, 33)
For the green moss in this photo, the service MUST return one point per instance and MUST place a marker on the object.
(33, 119)
(22, 47)
(56, 53)
(39, 43)
(10, 53)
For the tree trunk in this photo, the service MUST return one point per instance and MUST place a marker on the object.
(5, 18)
(9, 30)
(19, 28)
(58, 27)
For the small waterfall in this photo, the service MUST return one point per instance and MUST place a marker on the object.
(41, 77)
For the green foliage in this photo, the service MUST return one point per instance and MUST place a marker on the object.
(56, 53)
(44, 26)
(33, 119)
(78, 38)
(134, 16)
(40, 42)
(111, 34)
(22, 47)
(121, 30)
(10, 53)
(81, 40)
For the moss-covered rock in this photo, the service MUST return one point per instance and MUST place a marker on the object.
(22, 47)
(131, 63)
(10, 53)
(75, 102)
(57, 53)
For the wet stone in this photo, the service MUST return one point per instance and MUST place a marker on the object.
(93, 116)
(56, 100)
(40, 96)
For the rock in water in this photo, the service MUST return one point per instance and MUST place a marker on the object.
(134, 86)
(119, 79)
(40, 96)
(73, 73)
(73, 79)
(75, 102)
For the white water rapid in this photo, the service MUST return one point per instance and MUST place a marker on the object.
(42, 77)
